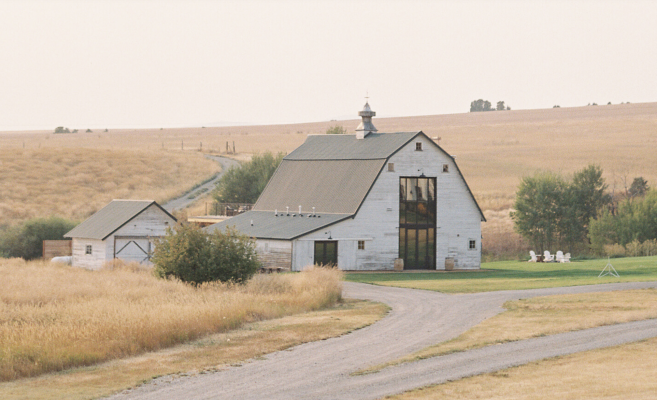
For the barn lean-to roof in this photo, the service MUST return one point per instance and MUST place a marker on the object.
(111, 218)
(280, 225)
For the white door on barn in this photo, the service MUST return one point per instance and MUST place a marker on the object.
(133, 248)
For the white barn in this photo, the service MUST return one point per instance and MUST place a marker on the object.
(364, 201)
(122, 229)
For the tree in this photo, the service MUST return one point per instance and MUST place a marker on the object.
(193, 255)
(88, 130)
(634, 221)
(587, 196)
(551, 211)
(638, 188)
(61, 129)
(244, 184)
(480, 105)
(26, 240)
(500, 106)
(539, 209)
(336, 130)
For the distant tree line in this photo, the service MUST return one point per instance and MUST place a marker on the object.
(61, 129)
(485, 105)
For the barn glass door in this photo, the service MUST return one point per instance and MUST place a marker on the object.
(417, 222)
(326, 252)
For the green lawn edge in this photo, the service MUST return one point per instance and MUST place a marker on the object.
(516, 275)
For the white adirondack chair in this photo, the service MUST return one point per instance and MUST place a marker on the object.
(532, 255)
(566, 258)
(559, 256)
(547, 257)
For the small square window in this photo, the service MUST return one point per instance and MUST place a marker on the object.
(473, 245)
(418, 146)
(391, 167)
(445, 168)
(361, 245)
(87, 250)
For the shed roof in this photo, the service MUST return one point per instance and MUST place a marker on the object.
(283, 226)
(331, 186)
(111, 217)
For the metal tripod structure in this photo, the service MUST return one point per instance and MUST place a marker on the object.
(610, 270)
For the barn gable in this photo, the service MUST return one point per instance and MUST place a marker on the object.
(123, 229)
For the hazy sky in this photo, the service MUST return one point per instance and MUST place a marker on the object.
(190, 63)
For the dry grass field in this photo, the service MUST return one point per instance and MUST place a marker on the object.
(493, 149)
(209, 353)
(53, 317)
(75, 182)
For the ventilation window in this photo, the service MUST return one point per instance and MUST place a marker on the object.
(418, 146)
(361, 245)
(87, 250)
(473, 245)
(445, 168)
(391, 167)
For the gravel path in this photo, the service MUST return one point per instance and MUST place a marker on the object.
(184, 200)
(321, 370)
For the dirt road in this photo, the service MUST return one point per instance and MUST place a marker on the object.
(185, 200)
(321, 370)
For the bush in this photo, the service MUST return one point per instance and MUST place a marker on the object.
(26, 240)
(336, 130)
(195, 256)
(245, 183)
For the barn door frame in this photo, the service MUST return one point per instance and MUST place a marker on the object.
(148, 252)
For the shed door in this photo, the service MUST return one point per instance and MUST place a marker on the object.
(326, 252)
(133, 248)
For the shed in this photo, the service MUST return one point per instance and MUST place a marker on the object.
(123, 229)
(365, 202)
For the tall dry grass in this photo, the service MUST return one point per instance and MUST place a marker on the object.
(74, 183)
(54, 317)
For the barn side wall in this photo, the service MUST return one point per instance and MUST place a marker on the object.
(93, 261)
(274, 253)
(377, 221)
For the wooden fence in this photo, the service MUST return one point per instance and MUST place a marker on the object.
(56, 248)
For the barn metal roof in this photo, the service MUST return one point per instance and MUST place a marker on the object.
(283, 226)
(110, 218)
(347, 147)
(331, 186)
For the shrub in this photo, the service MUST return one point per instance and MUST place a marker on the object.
(26, 240)
(245, 183)
(336, 130)
(193, 255)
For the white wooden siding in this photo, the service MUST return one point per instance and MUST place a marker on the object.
(377, 221)
(93, 261)
(148, 225)
(274, 253)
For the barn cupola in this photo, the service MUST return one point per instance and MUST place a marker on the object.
(366, 127)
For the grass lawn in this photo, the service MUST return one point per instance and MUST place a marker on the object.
(511, 275)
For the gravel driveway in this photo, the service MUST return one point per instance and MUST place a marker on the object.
(321, 370)
(184, 200)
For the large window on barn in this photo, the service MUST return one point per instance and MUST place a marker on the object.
(361, 245)
(417, 222)
(418, 146)
(473, 245)
(87, 249)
